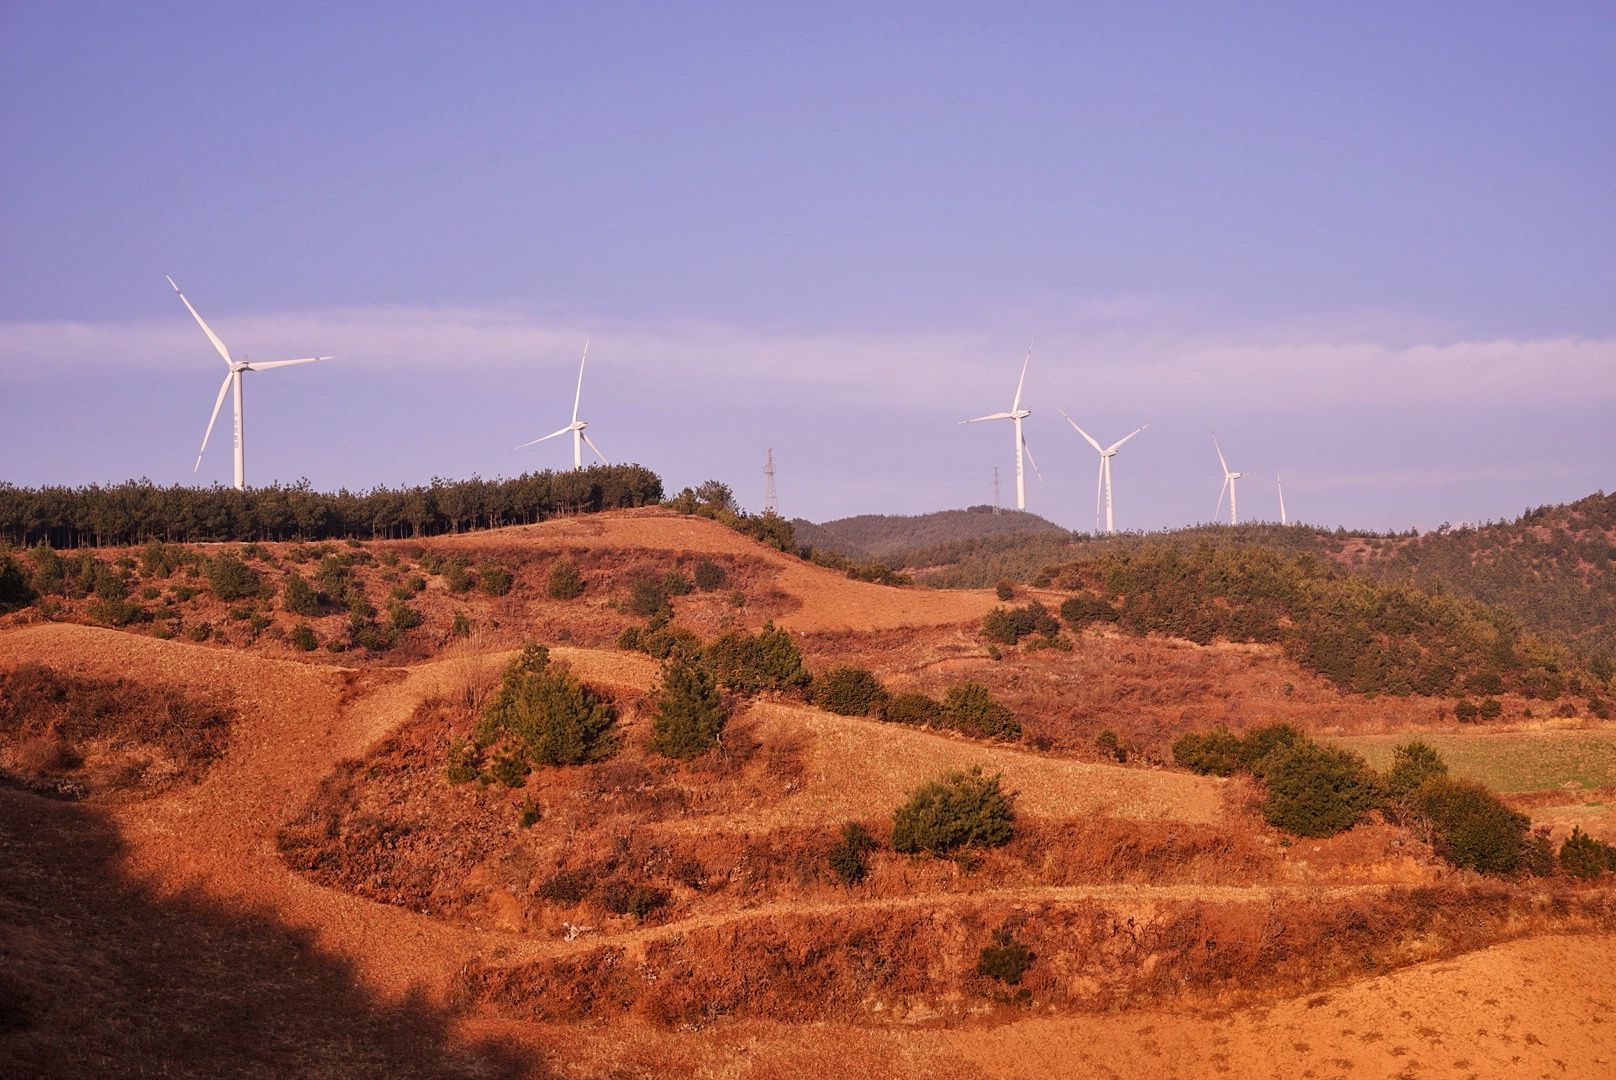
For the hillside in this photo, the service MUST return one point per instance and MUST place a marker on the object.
(454, 910)
(889, 538)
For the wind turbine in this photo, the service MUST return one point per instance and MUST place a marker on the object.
(1281, 485)
(1228, 485)
(1103, 485)
(577, 426)
(1017, 414)
(232, 381)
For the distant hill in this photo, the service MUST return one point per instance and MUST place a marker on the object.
(891, 538)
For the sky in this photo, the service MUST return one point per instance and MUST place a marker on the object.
(1369, 245)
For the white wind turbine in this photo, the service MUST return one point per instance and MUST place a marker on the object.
(232, 381)
(1017, 414)
(1281, 485)
(1103, 485)
(1228, 485)
(577, 426)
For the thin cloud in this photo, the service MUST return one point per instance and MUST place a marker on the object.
(1112, 354)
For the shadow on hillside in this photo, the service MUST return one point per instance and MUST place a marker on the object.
(98, 977)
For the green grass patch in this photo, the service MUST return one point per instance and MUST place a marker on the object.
(1507, 761)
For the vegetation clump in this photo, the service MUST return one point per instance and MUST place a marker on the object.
(494, 579)
(689, 712)
(564, 582)
(1315, 790)
(915, 708)
(298, 596)
(1005, 959)
(545, 713)
(232, 579)
(708, 575)
(1583, 857)
(848, 691)
(971, 708)
(766, 660)
(956, 810)
(1009, 625)
(849, 859)
(1471, 827)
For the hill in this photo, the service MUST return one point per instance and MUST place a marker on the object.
(890, 538)
(452, 902)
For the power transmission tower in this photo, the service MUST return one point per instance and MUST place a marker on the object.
(995, 489)
(770, 504)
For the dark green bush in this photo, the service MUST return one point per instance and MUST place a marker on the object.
(1315, 790)
(767, 660)
(1006, 960)
(625, 898)
(1009, 625)
(509, 767)
(676, 584)
(972, 709)
(647, 597)
(402, 617)
(1211, 753)
(1413, 763)
(232, 579)
(849, 859)
(709, 575)
(494, 579)
(914, 708)
(564, 582)
(1471, 827)
(690, 713)
(1004, 590)
(16, 591)
(1260, 742)
(1583, 857)
(298, 596)
(958, 809)
(848, 691)
(1085, 609)
(1490, 709)
(302, 637)
(545, 711)
(1107, 743)
(457, 574)
(1466, 711)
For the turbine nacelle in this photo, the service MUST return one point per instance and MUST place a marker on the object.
(1016, 414)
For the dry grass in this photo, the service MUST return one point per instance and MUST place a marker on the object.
(1509, 761)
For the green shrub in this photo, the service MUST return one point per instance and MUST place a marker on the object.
(200, 632)
(767, 660)
(1582, 856)
(545, 711)
(1466, 711)
(509, 767)
(494, 579)
(402, 617)
(333, 579)
(564, 582)
(972, 709)
(676, 584)
(1211, 753)
(1006, 960)
(1086, 609)
(1004, 590)
(302, 637)
(912, 707)
(849, 859)
(1315, 790)
(461, 767)
(1260, 742)
(117, 612)
(709, 575)
(690, 713)
(1107, 743)
(298, 596)
(956, 810)
(1413, 763)
(647, 597)
(457, 574)
(626, 898)
(848, 691)
(529, 815)
(1471, 827)
(1490, 709)
(16, 590)
(1009, 625)
(461, 627)
(232, 579)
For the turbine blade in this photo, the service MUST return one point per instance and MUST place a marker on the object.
(265, 365)
(1114, 447)
(576, 398)
(1086, 435)
(1028, 451)
(552, 435)
(1219, 508)
(595, 448)
(1023, 380)
(992, 416)
(206, 329)
(1219, 449)
(224, 388)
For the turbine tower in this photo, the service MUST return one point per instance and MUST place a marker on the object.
(232, 382)
(1017, 414)
(577, 426)
(1103, 485)
(1228, 485)
(1281, 485)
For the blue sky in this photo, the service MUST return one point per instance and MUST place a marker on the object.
(1370, 245)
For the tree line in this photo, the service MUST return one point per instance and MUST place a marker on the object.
(139, 511)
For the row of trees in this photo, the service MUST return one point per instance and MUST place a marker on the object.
(139, 511)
